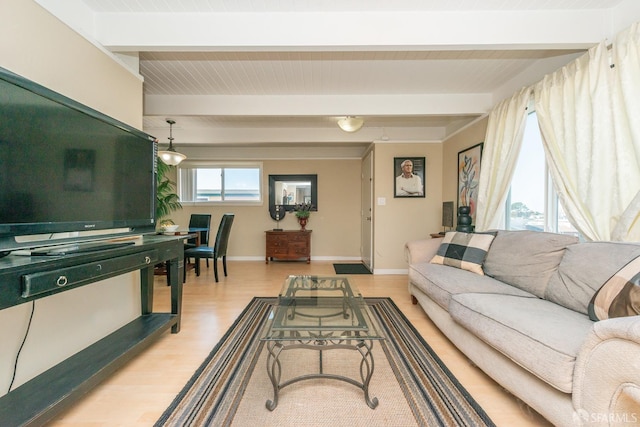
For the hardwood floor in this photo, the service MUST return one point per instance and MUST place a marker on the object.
(138, 393)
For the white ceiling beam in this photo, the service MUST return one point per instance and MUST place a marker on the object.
(368, 30)
(239, 151)
(316, 105)
(624, 14)
(198, 136)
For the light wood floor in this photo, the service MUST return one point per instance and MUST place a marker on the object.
(138, 393)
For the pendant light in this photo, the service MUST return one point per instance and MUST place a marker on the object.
(170, 156)
(351, 123)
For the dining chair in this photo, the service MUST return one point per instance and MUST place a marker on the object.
(200, 223)
(218, 250)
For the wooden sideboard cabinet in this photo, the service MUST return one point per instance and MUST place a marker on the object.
(288, 245)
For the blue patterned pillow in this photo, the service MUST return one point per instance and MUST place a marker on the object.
(466, 251)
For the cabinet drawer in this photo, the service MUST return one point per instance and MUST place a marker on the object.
(297, 248)
(46, 281)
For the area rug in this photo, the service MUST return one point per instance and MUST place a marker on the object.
(413, 386)
(358, 268)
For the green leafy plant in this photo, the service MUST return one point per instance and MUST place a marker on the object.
(303, 210)
(167, 200)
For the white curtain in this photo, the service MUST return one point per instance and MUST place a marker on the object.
(626, 57)
(499, 157)
(585, 134)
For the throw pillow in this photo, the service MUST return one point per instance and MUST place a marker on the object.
(466, 251)
(619, 296)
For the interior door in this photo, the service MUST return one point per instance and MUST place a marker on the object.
(366, 245)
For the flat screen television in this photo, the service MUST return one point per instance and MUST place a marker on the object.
(67, 168)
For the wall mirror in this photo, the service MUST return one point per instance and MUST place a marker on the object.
(286, 191)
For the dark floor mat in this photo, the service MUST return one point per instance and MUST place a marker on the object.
(358, 268)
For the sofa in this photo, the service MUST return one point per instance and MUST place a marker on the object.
(522, 308)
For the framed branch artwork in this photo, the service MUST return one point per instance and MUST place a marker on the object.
(409, 173)
(469, 177)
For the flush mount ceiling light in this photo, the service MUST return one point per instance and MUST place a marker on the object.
(170, 156)
(351, 123)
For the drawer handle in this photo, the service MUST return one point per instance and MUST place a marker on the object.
(147, 260)
(62, 281)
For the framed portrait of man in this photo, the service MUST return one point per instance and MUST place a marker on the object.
(409, 176)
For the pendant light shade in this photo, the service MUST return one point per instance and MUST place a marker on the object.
(170, 156)
(351, 123)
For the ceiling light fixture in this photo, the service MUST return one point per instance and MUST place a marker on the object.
(351, 123)
(170, 156)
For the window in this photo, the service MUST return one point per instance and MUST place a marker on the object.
(228, 183)
(532, 203)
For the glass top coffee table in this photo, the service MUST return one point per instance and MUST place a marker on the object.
(320, 313)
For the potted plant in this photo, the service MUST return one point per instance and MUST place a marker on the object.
(167, 200)
(303, 212)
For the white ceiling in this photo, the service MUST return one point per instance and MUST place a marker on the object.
(274, 72)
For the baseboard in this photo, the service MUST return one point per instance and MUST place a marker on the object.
(390, 271)
(313, 258)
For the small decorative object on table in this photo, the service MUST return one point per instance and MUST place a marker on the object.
(447, 216)
(278, 213)
(464, 220)
(168, 225)
(303, 212)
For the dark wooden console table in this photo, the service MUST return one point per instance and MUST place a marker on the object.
(288, 244)
(24, 279)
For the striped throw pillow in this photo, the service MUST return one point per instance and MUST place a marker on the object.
(619, 296)
(466, 251)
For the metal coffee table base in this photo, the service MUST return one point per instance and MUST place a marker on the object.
(274, 366)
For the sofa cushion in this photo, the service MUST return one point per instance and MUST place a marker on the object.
(584, 268)
(439, 282)
(526, 259)
(619, 296)
(542, 337)
(464, 250)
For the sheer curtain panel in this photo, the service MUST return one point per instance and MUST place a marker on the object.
(585, 133)
(499, 157)
(626, 57)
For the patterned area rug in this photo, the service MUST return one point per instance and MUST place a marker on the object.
(412, 384)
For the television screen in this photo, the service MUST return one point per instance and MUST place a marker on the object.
(65, 167)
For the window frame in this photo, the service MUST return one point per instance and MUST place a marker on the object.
(183, 186)
(551, 199)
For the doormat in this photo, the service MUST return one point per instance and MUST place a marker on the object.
(358, 268)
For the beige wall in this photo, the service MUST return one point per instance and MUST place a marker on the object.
(402, 219)
(336, 227)
(336, 224)
(469, 137)
(37, 46)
